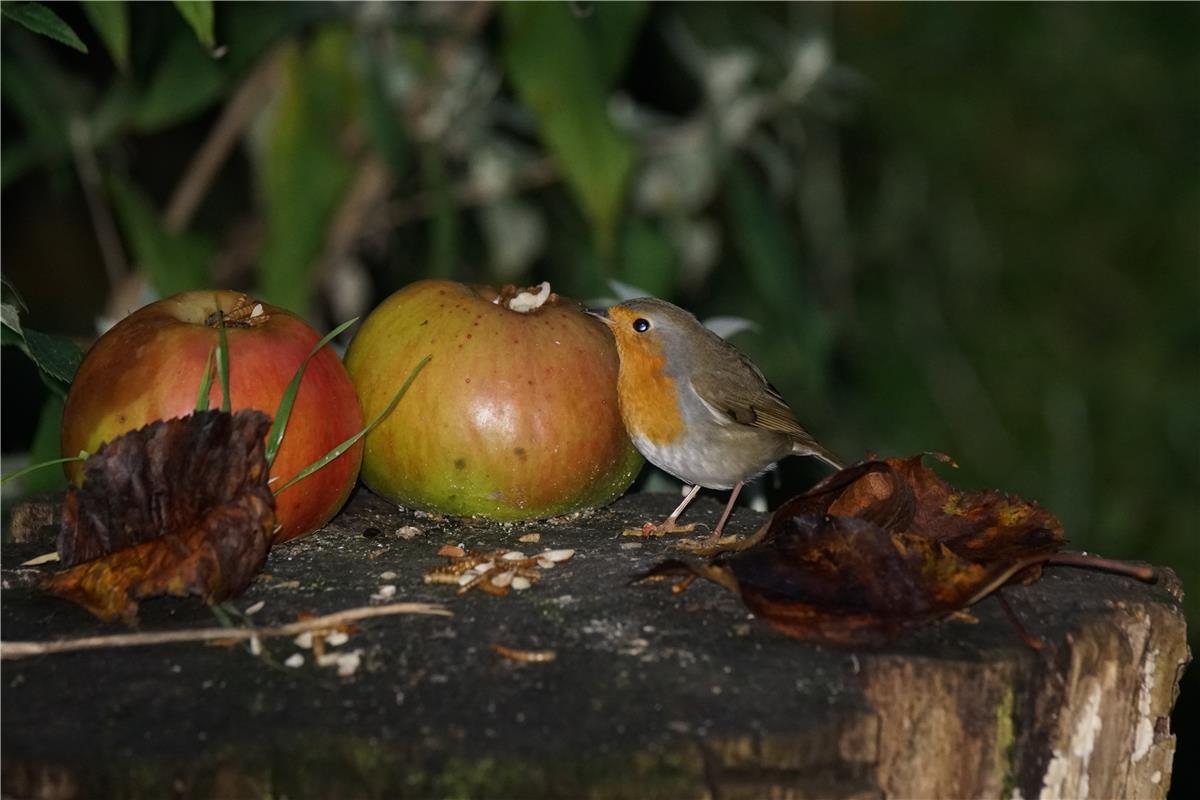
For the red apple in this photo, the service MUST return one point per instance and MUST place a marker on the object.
(515, 417)
(149, 366)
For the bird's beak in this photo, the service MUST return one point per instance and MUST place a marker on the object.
(600, 314)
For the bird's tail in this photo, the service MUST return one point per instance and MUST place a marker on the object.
(810, 447)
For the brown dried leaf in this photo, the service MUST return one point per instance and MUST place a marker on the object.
(177, 507)
(877, 549)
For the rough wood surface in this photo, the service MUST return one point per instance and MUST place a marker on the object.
(651, 693)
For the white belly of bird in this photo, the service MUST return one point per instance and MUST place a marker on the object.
(696, 461)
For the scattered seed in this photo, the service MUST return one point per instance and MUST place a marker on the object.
(515, 555)
(531, 538)
(387, 576)
(503, 579)
(255, 646)
(304, 641)
(294, 660)
(337, 638)
(386, 592)
(347, 664)
(557, 555)
(255, 608)
(451, 551)
(630, 545)
(520, 583)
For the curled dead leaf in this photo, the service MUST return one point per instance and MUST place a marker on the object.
(877, 549)
(178, 507)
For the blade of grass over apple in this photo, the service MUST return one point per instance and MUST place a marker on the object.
(32, 467)
(284, 412)
(223, 358)
(346, 445)
(205, 383)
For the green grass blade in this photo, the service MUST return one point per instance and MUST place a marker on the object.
(33, 467)
(346, 445)
(223, 358)
(205, 383)
(284, 412)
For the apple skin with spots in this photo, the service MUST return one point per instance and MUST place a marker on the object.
(149, 366)
(515, 417)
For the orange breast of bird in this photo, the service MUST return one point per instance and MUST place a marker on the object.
(648, 395)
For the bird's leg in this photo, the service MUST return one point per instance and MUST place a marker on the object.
(668, 525)
(716, 534)
(712, 545)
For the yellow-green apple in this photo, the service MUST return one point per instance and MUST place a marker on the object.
(514, 417)
(149, 366)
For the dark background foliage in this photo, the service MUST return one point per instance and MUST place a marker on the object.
(973, 229)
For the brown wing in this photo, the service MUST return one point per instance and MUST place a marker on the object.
(741, 394)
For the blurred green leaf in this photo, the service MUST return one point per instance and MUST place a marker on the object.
(768, 252)
(648, 259)
(303, 172)
(40, 19)
(443, 220)
(382, 120)
(111, 21)
(561, 68)
(199, 15)
(46, 446)
(614, 28)
(173, 262)
(184, 83)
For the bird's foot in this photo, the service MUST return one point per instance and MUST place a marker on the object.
(661, 529)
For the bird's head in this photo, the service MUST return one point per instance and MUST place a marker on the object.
(650, 329)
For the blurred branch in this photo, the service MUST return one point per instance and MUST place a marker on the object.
(111, 251)
(206, 163)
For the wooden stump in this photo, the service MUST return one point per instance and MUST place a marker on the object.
(650, 694)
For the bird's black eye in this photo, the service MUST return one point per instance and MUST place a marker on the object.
(640, 325)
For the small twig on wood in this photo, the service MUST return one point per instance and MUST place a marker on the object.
(9, 650)
(1088, 561)
(111, 251)
(208, 160)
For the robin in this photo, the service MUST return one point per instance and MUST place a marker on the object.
(697, 407)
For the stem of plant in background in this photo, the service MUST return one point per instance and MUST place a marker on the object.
(284, 412)
(346, 445)
(205, 383)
